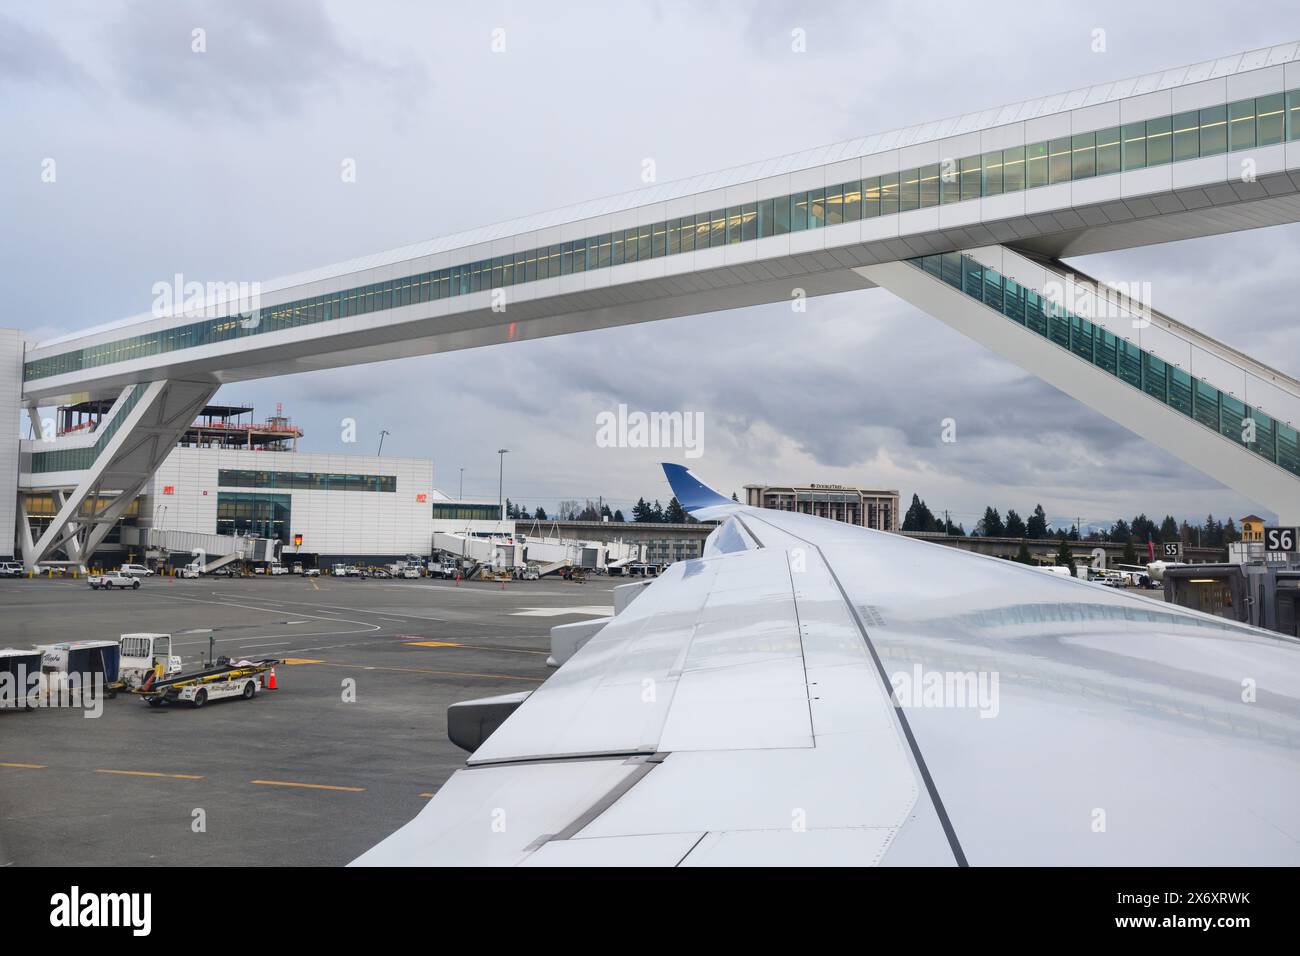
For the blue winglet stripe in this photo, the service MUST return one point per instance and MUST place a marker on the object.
(692, 493)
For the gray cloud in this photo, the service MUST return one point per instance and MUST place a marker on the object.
(32, 57)
(260, 59)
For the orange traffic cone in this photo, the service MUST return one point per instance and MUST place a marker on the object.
(270, 680)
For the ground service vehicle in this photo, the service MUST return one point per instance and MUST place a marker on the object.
(135, 571)
(113, 579)
(143, 656)
(226, 678)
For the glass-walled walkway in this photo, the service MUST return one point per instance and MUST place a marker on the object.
(1146, 372)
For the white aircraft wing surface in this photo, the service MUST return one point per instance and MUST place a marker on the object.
(814, 693)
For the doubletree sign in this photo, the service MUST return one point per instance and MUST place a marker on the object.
(1280, 539)
(297, 541)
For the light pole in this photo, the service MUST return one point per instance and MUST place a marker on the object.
(501, 474)
(382, 433)
(461, 496)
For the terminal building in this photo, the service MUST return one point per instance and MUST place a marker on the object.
(231, 475)
(867, 507)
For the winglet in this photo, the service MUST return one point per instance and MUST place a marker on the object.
(695, 496)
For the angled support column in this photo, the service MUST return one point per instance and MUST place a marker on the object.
(136, 446)
(966, 292)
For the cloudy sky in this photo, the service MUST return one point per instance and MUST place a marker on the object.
(225, 166)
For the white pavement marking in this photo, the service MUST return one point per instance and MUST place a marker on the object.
(592, 610)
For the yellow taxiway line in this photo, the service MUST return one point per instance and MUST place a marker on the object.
(152, 773)
(307, 786)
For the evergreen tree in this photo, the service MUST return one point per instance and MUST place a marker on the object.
(734, 498)
(1142, 526)
(1168, 529)
(1036, 527)
(919, 517)
(1120, 531)
(1130, 553)
(541, 513)
(618, 516)
(1023, 555)
(642, 511)
(1065, 557)
(1015, 525)
(657, 514)
(675, 513)
(990, 525)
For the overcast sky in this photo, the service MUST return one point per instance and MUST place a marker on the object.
(225, 166)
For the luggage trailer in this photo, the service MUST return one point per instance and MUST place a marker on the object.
(226, 679)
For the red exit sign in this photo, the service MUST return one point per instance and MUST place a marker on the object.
(169, 489)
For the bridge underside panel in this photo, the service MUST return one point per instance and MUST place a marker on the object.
(971, 293)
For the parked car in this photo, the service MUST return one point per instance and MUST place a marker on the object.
(379, 573)
(225, 571)
(311, 573)
(279, 569)
(135, 571)
(11, 569)
(113, 579)
(410, 572)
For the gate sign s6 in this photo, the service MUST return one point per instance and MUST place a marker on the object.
(1279, 539)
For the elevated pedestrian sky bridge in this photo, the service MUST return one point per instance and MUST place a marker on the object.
(1195, 151)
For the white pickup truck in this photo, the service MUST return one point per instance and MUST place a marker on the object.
(113, 579)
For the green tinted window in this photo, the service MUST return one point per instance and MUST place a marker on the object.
(1270, 120)
(909, 190)
(1135, 145)
(1013, 169)
(1083, 153)
(1187, 136)
(1241, 125)
(1159, 141)
(1214, 130)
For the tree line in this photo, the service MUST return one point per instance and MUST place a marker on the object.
(571, 510)
(1211, 534)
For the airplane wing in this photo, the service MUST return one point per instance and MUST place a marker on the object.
(810, 692)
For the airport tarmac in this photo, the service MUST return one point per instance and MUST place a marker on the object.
(299, 775)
